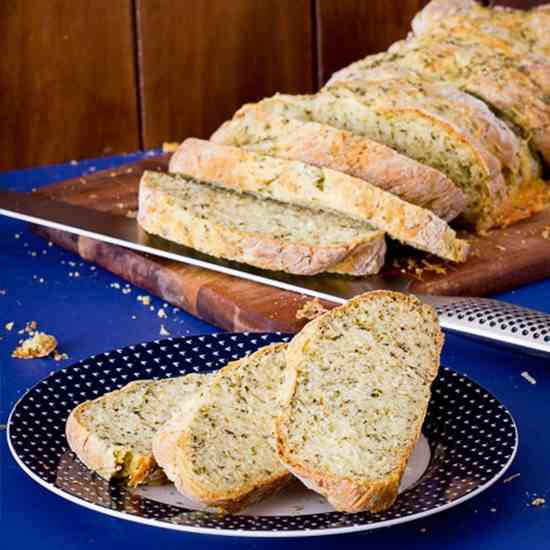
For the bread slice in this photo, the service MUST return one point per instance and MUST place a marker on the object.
(262, 233)
(355, 395)
(498, 79)
(355, 155)
(315, 187)
(113, 434)
(221, 450)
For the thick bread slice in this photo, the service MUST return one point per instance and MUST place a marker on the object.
(113, 434)
(221, 450)
(355, 395)
(498, 79)
(262, 233)
(313, 187)
(356, 155)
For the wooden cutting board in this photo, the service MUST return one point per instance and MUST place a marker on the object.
(499, 261)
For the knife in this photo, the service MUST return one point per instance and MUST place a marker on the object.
(493, 321)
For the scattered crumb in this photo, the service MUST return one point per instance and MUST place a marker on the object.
(500, 247)
(131, 214)
(3, 291)
(152, 308)
(134, 317)
(163, 331)
(298, 508)
(546, 232)
(510, 478)
(50, 243)
(539, 501)
(30, 327)
(41, 280)
(311, 310)
(423, 530)
(161, 313)
(93, 268)
(115, 285)
(493, 510)
(73, 162)
(528, 377)
(17, 236)
(92, 169)
(145, 300)
(33, 253)
(9, 326)
(59, 356)
(38, 345)
(120, 205)
(129, 170)
(169, 146)
(126, 290)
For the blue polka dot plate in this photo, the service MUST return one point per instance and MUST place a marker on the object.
(468, 441)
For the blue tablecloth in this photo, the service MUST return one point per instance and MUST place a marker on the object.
(84, 308)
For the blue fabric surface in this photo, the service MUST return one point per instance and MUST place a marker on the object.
(89, 314)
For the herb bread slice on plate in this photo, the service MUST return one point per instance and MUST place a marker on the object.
(321, 145)
(113, 434)
(263, 233)
(318, 188)
(356, 390)
(220, 451)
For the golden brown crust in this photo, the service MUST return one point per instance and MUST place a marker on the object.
(243, 171)
(346, 493)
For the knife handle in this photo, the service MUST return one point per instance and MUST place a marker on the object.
(496, 322)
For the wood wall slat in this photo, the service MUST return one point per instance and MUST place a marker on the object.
(67, 80)
(350, 29)
(201, 60)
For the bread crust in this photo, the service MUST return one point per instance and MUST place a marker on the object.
(346, 493)
(99, 455)
(340, 150)
(171, 450)
(243, 171)
(159, 216)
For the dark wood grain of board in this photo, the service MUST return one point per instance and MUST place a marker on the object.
(501, 260)
(67, 81)
(200, 61)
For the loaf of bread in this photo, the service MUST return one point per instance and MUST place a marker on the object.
(356, 391)
(524, 30)
(220, 450)
(500, 80)
(314, 187)
(113, 434)
(262, 233)
(326, 146)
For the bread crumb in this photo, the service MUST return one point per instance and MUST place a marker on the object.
(500, 247)
(510, 478)
(539, 501)
(161, 313)
(38, 345)
(9, 326)
(126, 290)
(30, 327)
(3, 291)
(528, 377)
(170, 146)
(493, 510)
(145, 300)
(164, 331)
(546, 232)
(311, 310)
(59, 356)
(17, 236)
(134, 317)
(115, 285)
(131, 214)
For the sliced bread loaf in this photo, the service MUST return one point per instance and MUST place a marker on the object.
(500, 80)
(113, 434)
(340, 150)
(314, 187)
(356, 391)
(221, 450)
(262, 233)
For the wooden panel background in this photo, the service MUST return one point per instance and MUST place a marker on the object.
(82, 78)
(67, 80)
(201, 60)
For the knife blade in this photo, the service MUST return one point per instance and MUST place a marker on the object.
(490, 320)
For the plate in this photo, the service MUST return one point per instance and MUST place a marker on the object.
(468, 441)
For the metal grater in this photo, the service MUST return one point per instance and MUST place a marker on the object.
(495, 321)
